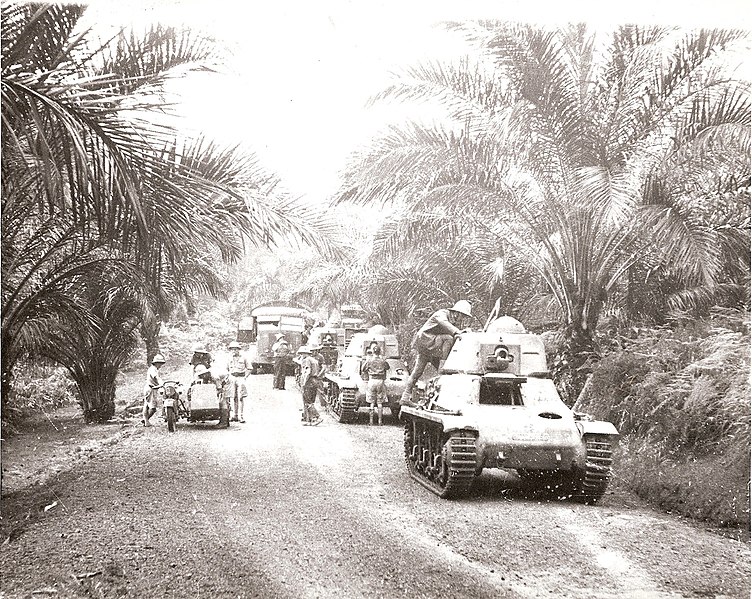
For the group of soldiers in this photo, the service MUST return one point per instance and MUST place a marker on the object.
(432, 343)
(230, 384)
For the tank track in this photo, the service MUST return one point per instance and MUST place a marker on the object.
(594, 478)
(444, 464)
(342, 404)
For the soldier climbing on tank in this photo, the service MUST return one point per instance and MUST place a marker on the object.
(434, 340)
(374, 373)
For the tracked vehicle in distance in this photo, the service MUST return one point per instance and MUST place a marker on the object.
(493, 405)
(345, 387)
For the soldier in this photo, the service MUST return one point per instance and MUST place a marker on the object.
(200, 356)
(239, 369)
(374, 371)
(323, 369)
(309, 373)
(434, 341)
(281, 350)
(151, 389)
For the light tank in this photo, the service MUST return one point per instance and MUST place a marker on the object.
(494, 405)
(346, 389)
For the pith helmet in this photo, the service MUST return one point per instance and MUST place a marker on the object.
(234, 345)
(158, 359)
(314, 346)
(199, 349)
(303, 349)
(463, 307)
(201, 369)
(280, 336)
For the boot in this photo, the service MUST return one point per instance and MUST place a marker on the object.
(407, 399)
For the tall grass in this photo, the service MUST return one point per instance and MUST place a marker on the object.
(680, 398)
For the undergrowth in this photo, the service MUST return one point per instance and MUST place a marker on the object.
(680, 398)
(37, 388)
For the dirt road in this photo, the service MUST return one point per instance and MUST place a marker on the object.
(274, 509)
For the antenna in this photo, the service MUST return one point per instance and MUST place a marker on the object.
(495, 312)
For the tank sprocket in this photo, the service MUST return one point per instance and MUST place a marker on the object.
(443, 463)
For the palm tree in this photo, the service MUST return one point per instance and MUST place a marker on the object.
(86, 167)
(559, 133)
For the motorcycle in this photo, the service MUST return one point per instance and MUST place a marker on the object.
(174, 407)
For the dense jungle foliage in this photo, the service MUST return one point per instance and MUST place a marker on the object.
(597, 181)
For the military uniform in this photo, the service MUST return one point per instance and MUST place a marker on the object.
(374, 372)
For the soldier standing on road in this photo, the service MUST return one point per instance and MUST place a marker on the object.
(434, 341)
(309, 373)
(281, 350)
(374, 372)
(151, 389)
(239, 370)
(323, 369)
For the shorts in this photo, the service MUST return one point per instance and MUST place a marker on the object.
(237, 388)
(152, 398)
(376, 391)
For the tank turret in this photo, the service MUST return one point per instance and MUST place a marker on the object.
(493, 405)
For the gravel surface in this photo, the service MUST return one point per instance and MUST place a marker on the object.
(271, 508)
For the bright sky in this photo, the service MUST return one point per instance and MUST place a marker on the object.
(301, 71)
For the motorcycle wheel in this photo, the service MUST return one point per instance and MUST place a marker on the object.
(171, 419)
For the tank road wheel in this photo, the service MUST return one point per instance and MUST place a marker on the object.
(342, 404)
(591, 482)
(444, 464)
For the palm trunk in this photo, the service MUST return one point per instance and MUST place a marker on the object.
(150, 328)
(579, 350)
(97, 392)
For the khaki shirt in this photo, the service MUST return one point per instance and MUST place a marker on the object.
(375, 367)
(238, 365)
(437, 324)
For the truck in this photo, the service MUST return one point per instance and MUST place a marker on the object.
(261, 328)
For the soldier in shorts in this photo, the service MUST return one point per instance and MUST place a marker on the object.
(239, 369)
(374, 372)
(151, 389)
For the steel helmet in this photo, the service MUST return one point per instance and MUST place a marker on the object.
(234, 345)
(158, 359)
(200, 369)
(462, 306)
